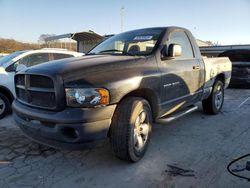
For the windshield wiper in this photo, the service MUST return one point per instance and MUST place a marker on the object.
(111, 50)
(115, 50)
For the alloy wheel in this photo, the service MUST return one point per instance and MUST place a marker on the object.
(141, 131)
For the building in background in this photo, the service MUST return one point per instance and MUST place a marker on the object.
(203, 43)
(85, 41)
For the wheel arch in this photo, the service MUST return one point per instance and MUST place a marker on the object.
(5, 91)
(221, 77)
(147, 94)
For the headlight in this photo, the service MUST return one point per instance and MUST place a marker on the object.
(86, 97)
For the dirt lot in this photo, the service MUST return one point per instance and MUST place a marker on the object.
(199, 144)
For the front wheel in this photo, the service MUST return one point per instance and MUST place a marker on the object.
(131, 128)
(214, 103)
(4, 105)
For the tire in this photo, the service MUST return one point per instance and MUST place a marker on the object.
(131, 129)
(213, 104)
(4, 105)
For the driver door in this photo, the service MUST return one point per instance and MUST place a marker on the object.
(180, 75)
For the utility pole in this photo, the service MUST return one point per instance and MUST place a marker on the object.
(122, 12)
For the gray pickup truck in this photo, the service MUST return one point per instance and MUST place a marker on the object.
(118, 90)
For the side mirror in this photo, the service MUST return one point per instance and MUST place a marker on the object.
(174, 50)
(20, 67)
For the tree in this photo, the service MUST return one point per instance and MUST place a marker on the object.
(43, 37)
(11, 45)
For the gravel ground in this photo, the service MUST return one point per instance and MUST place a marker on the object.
(192, 151)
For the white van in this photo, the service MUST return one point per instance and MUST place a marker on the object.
(19, 60)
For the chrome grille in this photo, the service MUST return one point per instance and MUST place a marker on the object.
(35, 90)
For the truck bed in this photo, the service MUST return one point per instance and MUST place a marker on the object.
(215, 66)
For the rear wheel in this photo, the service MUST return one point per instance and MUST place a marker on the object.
(214, 103)
(131, 128)
(4, 105)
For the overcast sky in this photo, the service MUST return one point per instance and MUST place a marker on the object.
(223, 21)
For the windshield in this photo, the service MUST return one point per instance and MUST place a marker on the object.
(139, 42)
(9, 57)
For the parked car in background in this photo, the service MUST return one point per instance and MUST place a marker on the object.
(240, 67)
(3, 54)
(19, 60)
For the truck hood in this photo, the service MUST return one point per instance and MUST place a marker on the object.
(86, 65)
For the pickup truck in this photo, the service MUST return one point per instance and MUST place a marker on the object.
(118, 90)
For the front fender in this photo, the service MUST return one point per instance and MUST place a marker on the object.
(119, 89)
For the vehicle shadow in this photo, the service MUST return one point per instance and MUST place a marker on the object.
(27, 163)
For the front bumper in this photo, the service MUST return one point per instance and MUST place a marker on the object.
(72, 128)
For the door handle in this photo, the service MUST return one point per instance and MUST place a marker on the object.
(196, 67)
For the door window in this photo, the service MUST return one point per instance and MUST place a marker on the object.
(29, 60)
(34, 59)
(61, 56)
(180, 38)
